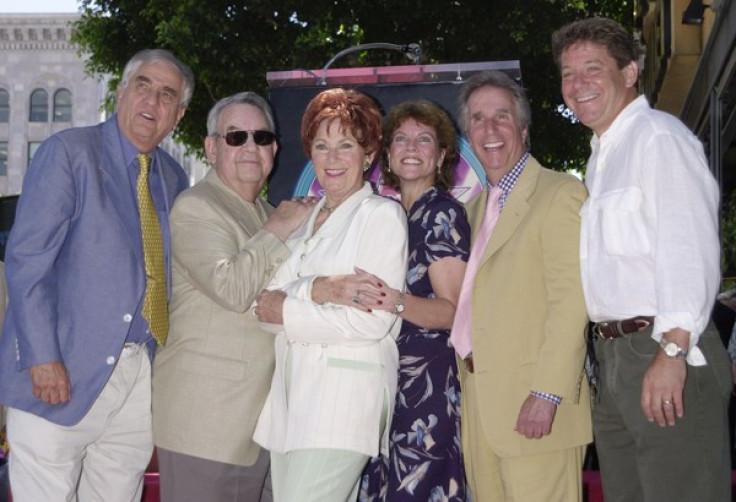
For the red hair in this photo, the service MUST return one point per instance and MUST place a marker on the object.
(355, 111)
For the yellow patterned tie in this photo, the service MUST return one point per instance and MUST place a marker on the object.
(155, 308)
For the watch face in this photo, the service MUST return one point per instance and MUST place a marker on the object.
(399, 308)
(671, 349)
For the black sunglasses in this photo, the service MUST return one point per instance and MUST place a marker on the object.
(239, 138)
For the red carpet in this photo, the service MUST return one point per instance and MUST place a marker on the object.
(591, 488)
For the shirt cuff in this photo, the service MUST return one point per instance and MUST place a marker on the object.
(552, 398)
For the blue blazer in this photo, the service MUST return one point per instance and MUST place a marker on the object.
(74, 265)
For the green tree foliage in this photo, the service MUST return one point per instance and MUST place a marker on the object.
(728, 239)
(231, 44)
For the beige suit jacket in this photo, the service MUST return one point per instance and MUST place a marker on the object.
(528, 313)
(211, 379)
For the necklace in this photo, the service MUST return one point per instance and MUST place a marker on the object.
(327, 209)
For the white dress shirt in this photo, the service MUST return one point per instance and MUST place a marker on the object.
(649, 240)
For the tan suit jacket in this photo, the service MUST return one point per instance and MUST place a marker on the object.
(528, 313)
(211, 379)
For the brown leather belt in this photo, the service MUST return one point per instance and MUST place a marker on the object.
(617, 329)
(468, 363)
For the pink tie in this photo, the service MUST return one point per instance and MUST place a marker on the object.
(460, 335)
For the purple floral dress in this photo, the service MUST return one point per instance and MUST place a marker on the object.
(425, 460)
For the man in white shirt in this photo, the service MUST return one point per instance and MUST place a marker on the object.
(649, 255)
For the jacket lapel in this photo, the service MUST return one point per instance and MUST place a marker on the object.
(514, 210)
(116, 184)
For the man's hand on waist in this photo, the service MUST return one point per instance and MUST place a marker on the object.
(51, 382)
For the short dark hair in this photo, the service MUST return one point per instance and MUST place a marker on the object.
(597, 30)
(355, 111)
(428, 114)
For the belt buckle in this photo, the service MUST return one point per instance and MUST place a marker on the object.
(597, 329)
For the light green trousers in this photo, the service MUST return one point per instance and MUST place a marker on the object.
(316, 475)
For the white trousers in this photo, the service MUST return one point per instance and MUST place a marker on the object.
(102, 458)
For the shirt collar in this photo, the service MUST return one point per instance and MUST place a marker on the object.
(619, 123)
(130, 152)
(509, 180)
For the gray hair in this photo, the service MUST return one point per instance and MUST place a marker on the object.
(248, 98)
(150, 56)
(501, 80)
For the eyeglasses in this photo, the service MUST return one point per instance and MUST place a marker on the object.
(239, 138)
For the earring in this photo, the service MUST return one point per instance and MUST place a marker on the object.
(366, 166)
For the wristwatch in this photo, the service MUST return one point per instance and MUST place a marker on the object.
(671, 349)
(399, 307)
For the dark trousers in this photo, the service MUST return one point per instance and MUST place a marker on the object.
(192, 479)
(4, 480)
(641, 461)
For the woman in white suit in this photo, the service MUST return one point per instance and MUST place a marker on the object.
(336, 366)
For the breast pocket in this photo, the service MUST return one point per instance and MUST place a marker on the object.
(623, 229)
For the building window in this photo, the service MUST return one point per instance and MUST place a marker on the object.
(4, 106)
(39, 106)
(3, 158)
(63, 106)
(32, 147)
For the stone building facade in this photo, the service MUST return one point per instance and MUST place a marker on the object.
(44, 89)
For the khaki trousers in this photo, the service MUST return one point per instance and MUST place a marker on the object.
(543, 477)
(103, 457)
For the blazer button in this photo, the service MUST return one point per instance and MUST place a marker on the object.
(127, 318)
(110, 360)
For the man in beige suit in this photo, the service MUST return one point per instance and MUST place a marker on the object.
(525, 402)
(212, 377)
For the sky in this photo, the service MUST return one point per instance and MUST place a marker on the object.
(15, 6)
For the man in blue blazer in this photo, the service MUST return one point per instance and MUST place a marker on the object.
(75, 348)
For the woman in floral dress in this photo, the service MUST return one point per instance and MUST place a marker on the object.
(425, 460)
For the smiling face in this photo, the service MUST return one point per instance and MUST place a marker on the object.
(415, 154)
(494, 131)
(338, 161)
(149, 105)
(242, 168)
(594, 87)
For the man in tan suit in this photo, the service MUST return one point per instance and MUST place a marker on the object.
(525, 402)
(212, 377)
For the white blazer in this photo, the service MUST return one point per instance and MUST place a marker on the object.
(336, 366)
